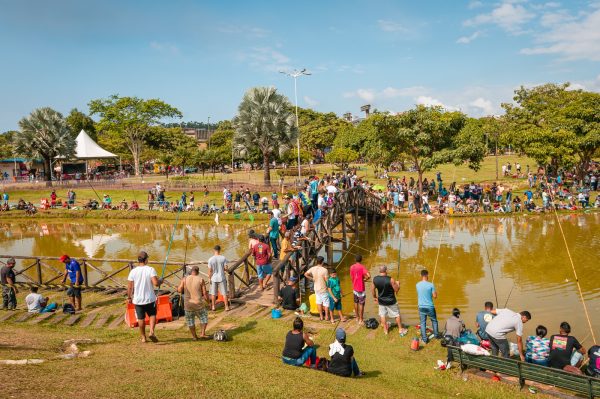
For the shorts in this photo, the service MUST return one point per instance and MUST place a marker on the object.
(360, 297)
(322, 298)
(146, 309)
(74, 292)
(190, 317)
(390, 311)
(264, 270)
(333, 305)
(215, 288)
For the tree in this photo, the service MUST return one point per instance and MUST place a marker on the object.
(7, 149)
(319, 130)
(131, 118)
(555, 126)
(430, 136)
(166, 159)
(79, 121)
(290, 157)
(342, 157)
(44, 134)
(264, 121)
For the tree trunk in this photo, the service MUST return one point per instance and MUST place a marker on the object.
(47, 170)
(136, 162)
(266, 169)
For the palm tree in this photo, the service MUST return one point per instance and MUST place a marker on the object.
(265, 121)
(45, 134)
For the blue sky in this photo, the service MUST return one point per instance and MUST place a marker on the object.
(202, 56)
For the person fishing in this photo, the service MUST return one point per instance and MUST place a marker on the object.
(299, 347)
(384, 293)
(140, 292)
(73, 272)
(195, 302)
(426, 293)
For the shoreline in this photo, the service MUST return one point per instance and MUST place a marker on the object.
(241, 218)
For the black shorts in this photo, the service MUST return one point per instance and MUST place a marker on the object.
(74, 292)
(147, 309)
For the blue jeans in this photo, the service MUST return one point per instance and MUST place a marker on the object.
(355, 369)
(539, 362)
(274, 247)
(423, 314)
(308, 353)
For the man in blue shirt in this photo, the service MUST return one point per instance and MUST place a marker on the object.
(426, 293)
(483, 318)
(73, 271)
(314, 191)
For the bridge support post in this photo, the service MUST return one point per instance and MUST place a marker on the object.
(276, 285)
(230, 285)
(329, 249)
(355, 222)
(344, 244)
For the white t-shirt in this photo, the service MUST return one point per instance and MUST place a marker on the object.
(217, 265)
(305, 226)
(143, 289)
(34, 302)
(506, 321)
(277, 213)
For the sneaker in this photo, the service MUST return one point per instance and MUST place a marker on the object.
(403, 332)
(425, 341)
(448, 365)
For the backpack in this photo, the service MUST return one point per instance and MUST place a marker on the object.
(220, 335)
(68, 308)
(371, 323)
(322, 364)
(177, 306)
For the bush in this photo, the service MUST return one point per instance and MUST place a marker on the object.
(294, 172)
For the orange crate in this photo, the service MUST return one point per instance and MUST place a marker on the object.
(164, 312)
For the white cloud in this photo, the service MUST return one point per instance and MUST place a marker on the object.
(468, 39)
(366, 94)
(429, 101)
(474, 4)
(165, 47)
(392, 92)
(310, 101)
(507, 15)
(574, 40)
(588, 85)
(265, 58)
(483, 104)
(390, 26)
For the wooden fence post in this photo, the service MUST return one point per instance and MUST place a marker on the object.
(85, 273)
(38, 266)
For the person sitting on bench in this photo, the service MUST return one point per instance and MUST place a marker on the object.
(562, 348)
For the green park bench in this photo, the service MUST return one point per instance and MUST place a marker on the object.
(581, 384)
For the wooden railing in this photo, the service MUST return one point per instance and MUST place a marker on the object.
(40, 271)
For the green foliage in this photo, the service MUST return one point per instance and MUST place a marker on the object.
(44, 134)
(430, 136)
(7, 149)
(341, 157)
(78, 121)
(264, 121)
(319, 130)
(290, 157)
(556, 126)
(130, 118)
(223, 136)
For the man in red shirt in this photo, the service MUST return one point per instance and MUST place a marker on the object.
(359, 274)
(262, 257)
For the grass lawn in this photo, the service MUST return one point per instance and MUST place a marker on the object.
(248, 366)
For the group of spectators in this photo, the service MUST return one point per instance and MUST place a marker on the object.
(545, 193)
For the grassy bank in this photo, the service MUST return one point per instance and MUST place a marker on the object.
(248, 366)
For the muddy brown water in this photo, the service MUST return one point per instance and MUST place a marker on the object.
(526, 255)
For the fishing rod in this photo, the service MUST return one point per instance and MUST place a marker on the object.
(95, 192)
(491, 270)
(511, 290)
(187, 241)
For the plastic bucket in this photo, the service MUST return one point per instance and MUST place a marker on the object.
(275, 313)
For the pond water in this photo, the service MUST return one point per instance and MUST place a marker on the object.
(527, 256)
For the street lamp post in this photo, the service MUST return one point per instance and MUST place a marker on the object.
(296, 74)
(208, 131)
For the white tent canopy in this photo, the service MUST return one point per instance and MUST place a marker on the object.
(88, 149)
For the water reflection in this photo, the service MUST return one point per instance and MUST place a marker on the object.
(526, 256)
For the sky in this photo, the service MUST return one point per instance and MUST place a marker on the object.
(201, 56)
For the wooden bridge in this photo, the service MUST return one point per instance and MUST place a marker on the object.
(350, 216)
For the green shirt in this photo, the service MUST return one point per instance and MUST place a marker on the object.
(334, 284)
(274, 224)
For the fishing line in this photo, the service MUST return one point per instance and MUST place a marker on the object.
(491, 270)
(511, 290)
(437, 257)
(170, 244)
(585, 309)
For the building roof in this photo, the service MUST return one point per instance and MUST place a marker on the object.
(87, 148)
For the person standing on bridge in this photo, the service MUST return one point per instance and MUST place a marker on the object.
(140, 291)
(262, 257)
(274, 234)
(73, 271)
(216, 275)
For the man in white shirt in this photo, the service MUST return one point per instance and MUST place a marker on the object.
(140, 291)
(218, 280)
(506, 321)
(35, 302)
